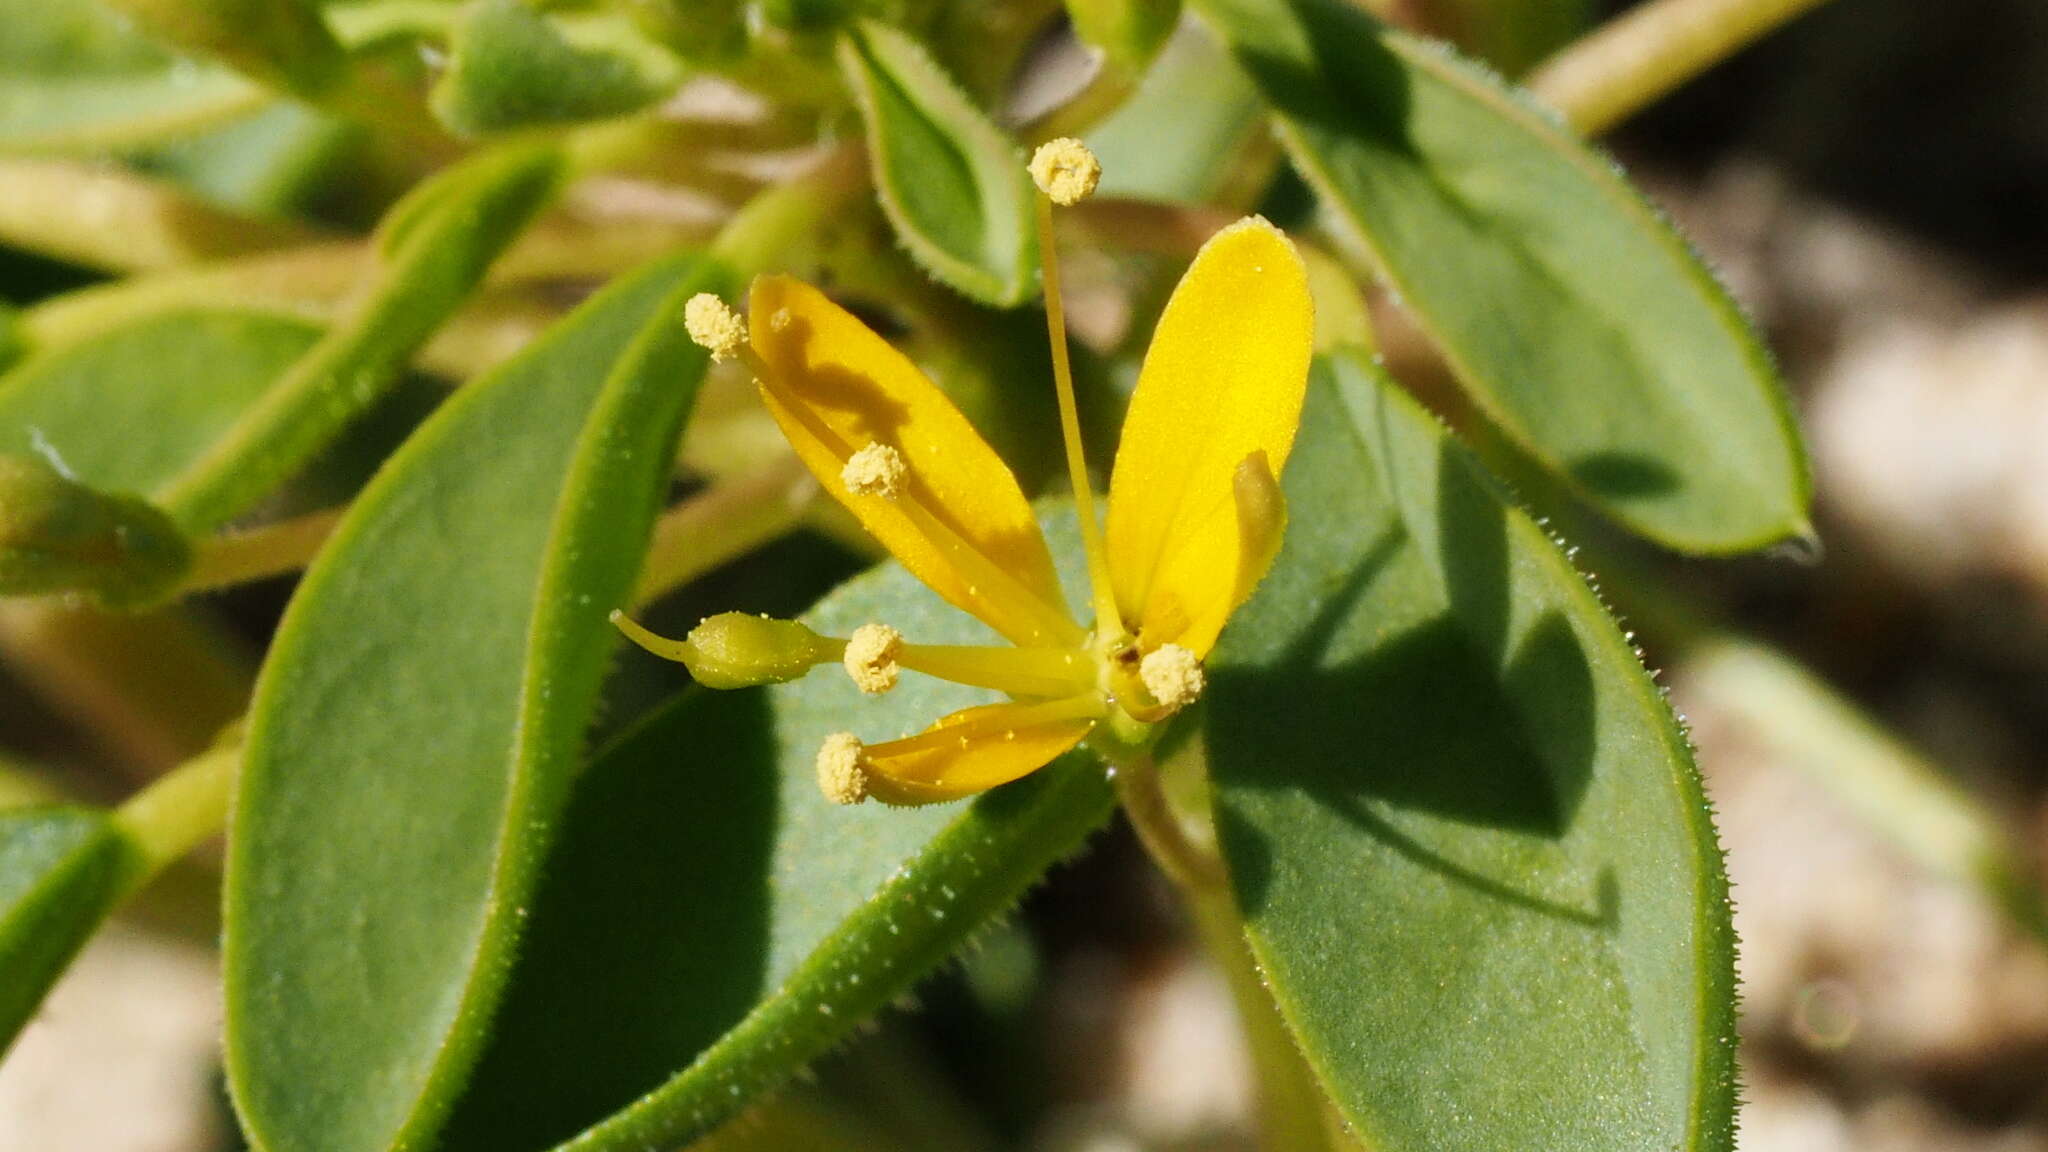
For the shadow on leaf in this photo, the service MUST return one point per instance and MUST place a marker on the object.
(648, 937)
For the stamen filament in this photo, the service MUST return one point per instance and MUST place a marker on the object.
(1087, 706)
(1017, 671)
(1107, 617)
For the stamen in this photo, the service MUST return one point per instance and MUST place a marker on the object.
(842, 769)
(871, 654)
(1017, 671)
(1173, 676)
(876, 470)
(1065, 168)
(714, 324)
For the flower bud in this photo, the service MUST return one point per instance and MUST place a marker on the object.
(57, 535)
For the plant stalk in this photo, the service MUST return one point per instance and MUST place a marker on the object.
(1637, 59)
(1293, 1112)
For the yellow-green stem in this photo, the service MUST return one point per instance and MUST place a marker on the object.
(239, 557)
(178, 812)
(1293, 1113)
(1108, 621)
(1638, 58)
(722, 524)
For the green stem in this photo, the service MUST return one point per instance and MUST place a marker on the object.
(1637, 59)
(150, 688)
(174, 815)
(273, 549)
(721, 524)
(1893, 788)
(1293, 1112)
(119, 221)
(760, 234)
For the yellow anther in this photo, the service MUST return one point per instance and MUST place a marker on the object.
(842, 769)
(1172, 675)
(870, 658)
(876, 470)
(1065, 170)
(714, 324)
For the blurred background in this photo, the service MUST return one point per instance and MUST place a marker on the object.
(1871, 183)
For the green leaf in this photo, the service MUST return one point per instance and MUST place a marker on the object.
(514, 67)
(1577, 317)
(278, 162)
(1462, 823)
(710, 923)
(1511, 35)
(127, 410)
(952, 183)
(279, 43)
(75, 77)
(420, 716)
(1181, 136)
(1128, 32)
(61, 869)
(434, 247)
(57, 535)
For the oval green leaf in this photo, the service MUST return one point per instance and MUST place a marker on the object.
(433, 248)
(127, 410)
(1462, 823)
(61, 869)
(710, 923)
(1577, 317)
(514, 67)
(76, 77)
(952, 183)
(420, 716)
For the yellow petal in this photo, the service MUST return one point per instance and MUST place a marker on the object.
(1222, 381)
(958, 520)
(976, 749)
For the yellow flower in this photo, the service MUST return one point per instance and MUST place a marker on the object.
(1195, 512)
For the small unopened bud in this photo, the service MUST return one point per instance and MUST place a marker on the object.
(871, 657)
(1172, 675)
(876, 470)
(1065, 170)
(713, 324)
(842, 769)
(57, 535)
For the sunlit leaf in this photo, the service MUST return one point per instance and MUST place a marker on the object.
(1577, 317)
(1463, 825)
(420, 716)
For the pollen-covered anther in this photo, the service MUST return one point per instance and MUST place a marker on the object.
(713, 324)
(876, 470)
(1065, 170)
(870, 658)
(1173, 675)
(842, 769)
